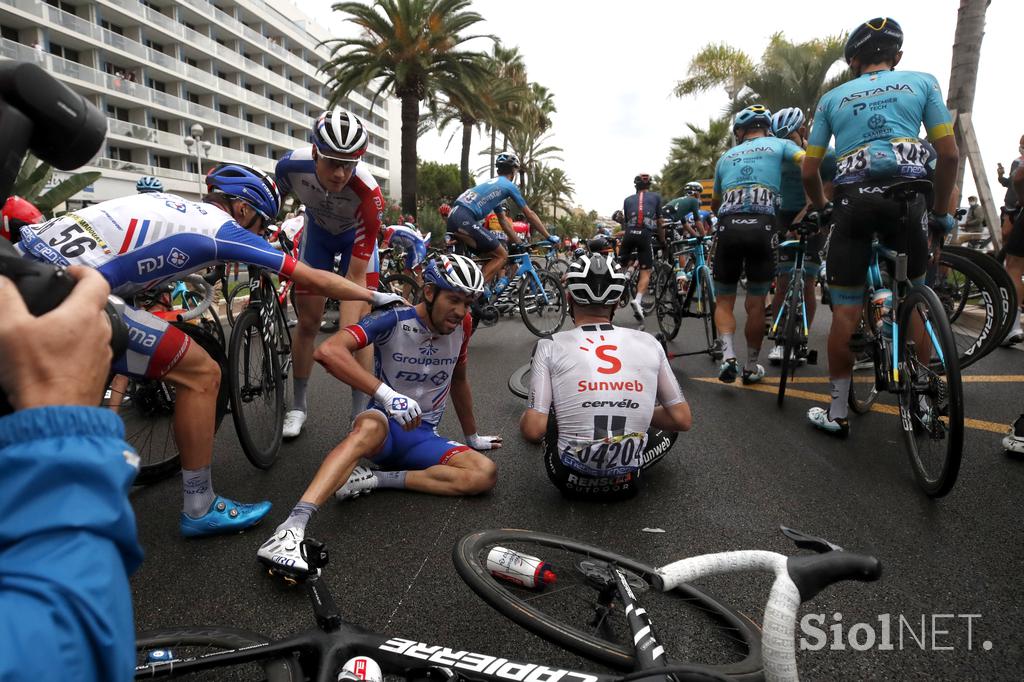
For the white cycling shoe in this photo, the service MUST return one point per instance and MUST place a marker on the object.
(752, 376)
(282, 554)
(819, 416)
(293, 422)
(1014, 440)
(361, 481)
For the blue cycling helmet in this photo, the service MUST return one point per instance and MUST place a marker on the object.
(754, 115)
(251, 185)
(147, 183)
(455, 273)
(787, 121)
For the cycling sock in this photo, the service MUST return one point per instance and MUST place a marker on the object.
(727, 350)
(299, 393)
(390, 479)
(840, 394)
(752, 354)
(300, 516)
(197, 491)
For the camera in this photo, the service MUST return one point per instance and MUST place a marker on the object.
(40, 114)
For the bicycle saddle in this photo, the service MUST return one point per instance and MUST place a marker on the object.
(906, 191)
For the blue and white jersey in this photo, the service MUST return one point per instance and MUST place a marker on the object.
(748, 177)
(411, 359)
(141, 240)
(489, 196)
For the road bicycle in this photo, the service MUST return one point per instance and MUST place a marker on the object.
(907, 336)
(790, 328)
(541, 297)
(651, 623)
(696, 301)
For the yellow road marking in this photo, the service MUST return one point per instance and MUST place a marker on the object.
(824, 398)
(967, 379)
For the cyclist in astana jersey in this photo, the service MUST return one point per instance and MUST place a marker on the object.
(789, 124)
(145, 240)
(748, 181)
(642, 216)
(611, 389)
(875, 119)
(421, 358)
(343, 209)
(473, 205)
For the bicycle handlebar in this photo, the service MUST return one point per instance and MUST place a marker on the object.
(198, 282)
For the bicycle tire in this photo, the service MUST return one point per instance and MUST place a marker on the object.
(469, 556)
(556, 297)
(210, 320)
(707, 306)
(966, 283)
(790, 343)
(168, 461)
(519, 381)
(558, 267)
(650, 297)
(246, 335)
(938, 482)
(400, 284)
(231, 312)
(667, 311)
(215, 637)
(1007, 293)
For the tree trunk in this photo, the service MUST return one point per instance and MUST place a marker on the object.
(963, 77)
(410, 123)
(467, 139)
(494, 136)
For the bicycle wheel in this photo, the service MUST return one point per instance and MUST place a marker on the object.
(694, 627)
(659, 275)
(146, 406)
(199, 640)
(519, 381)
(1007, 294)
(792, 333)
(667, 310)
(558, 267)
(404, 286)
(706, 308)
(931, 395)
(257, 391)
(210, 321)
(543, 309)
(969, 298)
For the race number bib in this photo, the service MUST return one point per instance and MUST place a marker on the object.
(855, 166)
(911, 156)
(749, 199)
(467, 197)
(613, 456)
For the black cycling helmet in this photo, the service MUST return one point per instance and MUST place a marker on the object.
(642, 181)
(599, 245)
(594, 280)
(877, 35)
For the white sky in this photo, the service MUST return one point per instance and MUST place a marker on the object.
(612, 67)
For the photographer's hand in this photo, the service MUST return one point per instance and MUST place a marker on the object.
(62, 357)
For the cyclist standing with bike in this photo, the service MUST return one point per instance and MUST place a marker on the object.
(875, 119)
(144, 240)
(748, 181)
(344, 210)
(641, 217)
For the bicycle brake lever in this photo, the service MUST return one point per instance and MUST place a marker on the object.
(811, 542)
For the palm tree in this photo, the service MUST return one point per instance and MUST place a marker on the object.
(409, 48)
(694, 157)
(532, 148)
(508, 67)
(560, 190)
(713, 66)
(35, 175)
(963, 76)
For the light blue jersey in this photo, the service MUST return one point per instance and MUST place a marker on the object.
(793, 198)
(876, 120)
(488, 196)
(748, 177)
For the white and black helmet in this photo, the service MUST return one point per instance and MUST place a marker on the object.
(785, 122)
(694, 187)
(340, 135)
(594, 279)
(455, 273)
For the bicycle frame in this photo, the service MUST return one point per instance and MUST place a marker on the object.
(525, 267)
(695, 248)
(270, 304)
(796, 285)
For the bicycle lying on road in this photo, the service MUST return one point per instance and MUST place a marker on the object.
(603, 610)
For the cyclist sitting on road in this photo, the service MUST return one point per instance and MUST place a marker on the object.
(421, 356)
(343, 211)
(473, 205)
(145, 240)
(641, 216)
(875, 119)
(147, 183)
(603, 383)
(747, 185)
(789, 124)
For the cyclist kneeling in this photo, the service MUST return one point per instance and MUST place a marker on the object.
(602, 383)
(420, 354)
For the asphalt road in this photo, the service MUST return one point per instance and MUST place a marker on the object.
(745, 468)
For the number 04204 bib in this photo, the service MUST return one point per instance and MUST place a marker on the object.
(613, 456)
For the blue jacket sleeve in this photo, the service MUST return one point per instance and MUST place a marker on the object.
(67, 546)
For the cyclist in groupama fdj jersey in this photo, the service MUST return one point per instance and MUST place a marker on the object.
(607, 386)
(344, 207)
(144, 240)
(875, 119)
(748, 181)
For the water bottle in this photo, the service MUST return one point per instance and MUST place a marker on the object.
(518, 568)
(361, 668)
(159, 656)
(881, 306)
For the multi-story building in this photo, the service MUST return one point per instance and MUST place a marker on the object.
(245, 71)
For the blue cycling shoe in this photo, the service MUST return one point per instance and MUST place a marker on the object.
(224, 516)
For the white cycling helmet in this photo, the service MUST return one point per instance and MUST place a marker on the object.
(693, 187)
(785, 122)
(338, 134)
(455, 273)
(594, 280)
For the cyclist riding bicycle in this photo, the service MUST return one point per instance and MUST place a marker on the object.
(686, 209)
(641, 217)
(473, 205)
(147, 183)
(17, 213)
(421, 356)
(144, 240)
(875, 119)
(344, 211)
(606, 385)
(748, 181)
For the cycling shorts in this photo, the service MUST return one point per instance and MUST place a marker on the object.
(462, 221)
(1015, 240)
(414, 450)
(319, 249)
(812, 249)
(745, 242)
(640, 243)
(154, 346)
(861, 213)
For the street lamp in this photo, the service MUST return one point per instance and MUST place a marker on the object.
(201, 147)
